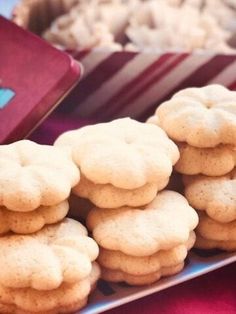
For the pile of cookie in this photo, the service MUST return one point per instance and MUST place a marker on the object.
(202, 122)
(125, 166)
(138, 25)
(141, 230)
(47, 261)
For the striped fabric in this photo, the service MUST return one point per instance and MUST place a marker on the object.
(118, 84)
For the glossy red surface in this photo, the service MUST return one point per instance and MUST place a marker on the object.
(38, 74)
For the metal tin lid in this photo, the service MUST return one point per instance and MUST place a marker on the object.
(34, 78)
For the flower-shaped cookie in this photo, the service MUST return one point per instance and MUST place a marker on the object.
(214, 230)
(29, 222)
(215, 195)
(143, 232)
(202, 117)
(68, 298)
(144, 265)
(57, 254)
(32, 175)
(123, 153)
(107, 195)
(215, 161)
(119, 276)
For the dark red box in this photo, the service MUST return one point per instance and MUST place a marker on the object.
(34, 78)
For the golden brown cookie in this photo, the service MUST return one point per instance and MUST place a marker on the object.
(33, 175)
(57, 254)
(145, 231)
(107, 195)
(68, 298)
(29, 222)
(65, 299)
(144, 265)
(215, 161)
(214, 195)
(202, 117)
(119, 276)
(140, 245)
(122, 155)
(214, 230)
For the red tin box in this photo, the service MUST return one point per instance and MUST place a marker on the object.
(34, 78)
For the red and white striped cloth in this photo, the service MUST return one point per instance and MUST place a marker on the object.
(132, 84)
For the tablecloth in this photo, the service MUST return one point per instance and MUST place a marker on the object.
(213, 293)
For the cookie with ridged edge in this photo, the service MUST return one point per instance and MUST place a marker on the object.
(119, 276)
(215, 195)
(33, 221)
(33, 175)
(200, 116)
(202, 243)
(60, 253)
(214, 161)
(67, 298)
(214, 230)
(107, 195)
(137, 266)
(144, 231)
(124, 153)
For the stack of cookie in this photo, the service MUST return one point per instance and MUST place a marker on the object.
(202, 122)
(124, 165)
(35, 183)
(49, 271)
(46, 262)
(215, 200)
(139, 246)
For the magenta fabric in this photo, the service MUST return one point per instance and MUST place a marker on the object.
(56, 124)
(213, 293)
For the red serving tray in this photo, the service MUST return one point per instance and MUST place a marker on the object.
(34, 78)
